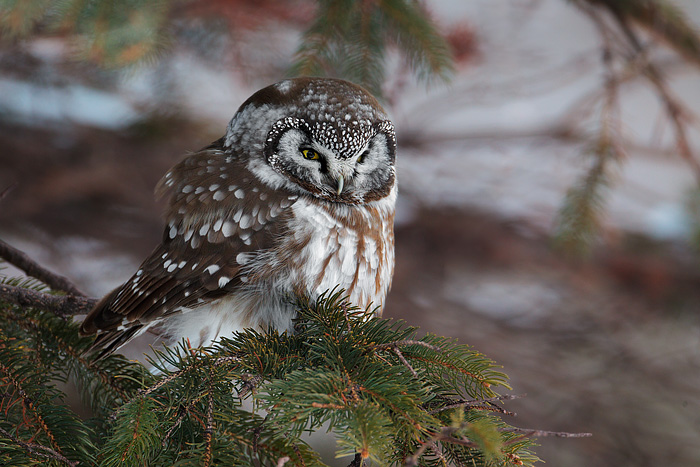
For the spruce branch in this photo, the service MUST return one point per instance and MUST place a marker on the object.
(37, 450)
(20, 259)
(9, 376)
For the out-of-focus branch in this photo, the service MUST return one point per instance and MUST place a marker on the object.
(61, 305)
(638, 63)
(19, 259)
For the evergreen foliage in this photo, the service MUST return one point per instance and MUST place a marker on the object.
(389, 396)
(350, 38)
(578, 221)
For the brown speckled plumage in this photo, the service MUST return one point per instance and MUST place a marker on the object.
(252, 223)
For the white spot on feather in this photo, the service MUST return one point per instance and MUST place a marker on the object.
(228, 228)
(212, 268)
(246, 221)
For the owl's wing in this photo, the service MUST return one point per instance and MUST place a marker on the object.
(219, 217)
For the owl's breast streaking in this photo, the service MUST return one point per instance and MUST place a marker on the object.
(334, 245)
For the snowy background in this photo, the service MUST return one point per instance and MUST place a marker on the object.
(609, 345)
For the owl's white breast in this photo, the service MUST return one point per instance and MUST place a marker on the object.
(351, 247)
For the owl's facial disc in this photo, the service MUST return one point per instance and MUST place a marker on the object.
(322, 164)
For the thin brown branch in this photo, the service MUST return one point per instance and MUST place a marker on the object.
(405, 362)
(249, 385)
(529, 433)
(640, 63)
(257, 431)
(445, 434)
(395, 344)
(38, 450)
(209, 430)
(19, 259)
(183, 412)
(674, 109)
(62, 306)
(479, 403)
(162, 382)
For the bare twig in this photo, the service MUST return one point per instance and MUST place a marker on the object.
(529, 433)
(38, 450)
(404, 361)
(395, 344)
(249, 385)
(257, 431)
(19, 259)
(209, 430)
(183, 411)
(445, 434)
(60, 305)
(481, 402)
(640, 64)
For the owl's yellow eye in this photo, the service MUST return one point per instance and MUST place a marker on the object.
(310, 154)
(363, 156)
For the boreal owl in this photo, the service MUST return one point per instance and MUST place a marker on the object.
(296, 199)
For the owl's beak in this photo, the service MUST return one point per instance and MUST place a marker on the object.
(341, 184)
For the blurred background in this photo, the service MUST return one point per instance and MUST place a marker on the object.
(548, 208)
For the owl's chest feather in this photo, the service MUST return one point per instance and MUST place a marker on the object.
(329, 246)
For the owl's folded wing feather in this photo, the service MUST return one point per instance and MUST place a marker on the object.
(218, 218)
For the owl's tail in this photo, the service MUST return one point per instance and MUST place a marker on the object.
(109, 326)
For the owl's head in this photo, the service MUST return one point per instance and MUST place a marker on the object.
(324, 137)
